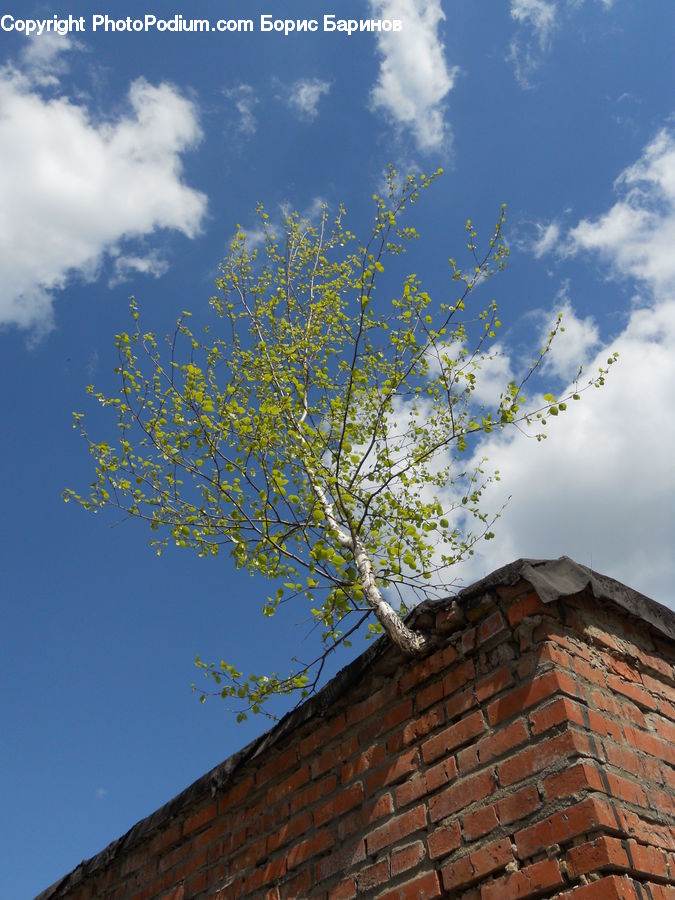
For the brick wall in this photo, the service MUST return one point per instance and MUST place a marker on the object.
(532, 755)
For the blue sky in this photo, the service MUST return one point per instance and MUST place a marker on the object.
(126, 159)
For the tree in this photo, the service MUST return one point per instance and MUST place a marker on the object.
(314, 433)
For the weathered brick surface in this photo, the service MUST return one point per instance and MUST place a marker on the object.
(532, 755)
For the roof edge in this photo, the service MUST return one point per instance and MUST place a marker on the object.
(555, 579)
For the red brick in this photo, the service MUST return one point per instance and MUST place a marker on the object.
(562, 709)
(287, 787)
(249, 812)
(196, 884)
(654, 663)
(651, 861)
(461, 795)
(609, 852)
(537, 757)
(424, 887)
(453, 736)
(659, 891)
(656, 685)
(372, 705)
(189, 867)
(490, 627)
(618, 708)
(477, 865)
(467, 759)
(314, 792)
(200, 818)
(553, 631)
(598, 635)
(494, 745)
(539, 689)
(397, 714)
(604, 852)
(440, 774)
(369, 813)
(517, 805)
(458, 677)
(479, 823)
(400, 767)
(250, 855)
(176, 893)
(600, 724)
(372, 876)
(587, 776)
(468, 641)
(300, 853)
(346, 890)
(291, 829)
(493, 683)
(651, 745)
(647, 832)
(411, 790)
(634, 692)
(588, 816)
(407, 857)
(426, 782)
(369, 759)
(625, 669)
(332, 758)
(167, 837)
(444, 840)
(663, 728)
(340, 860)
(421, 725)
(235, 794)
(429, 695)
(297, 887)
(264, 874)
(584, 776)
(540, 876)
(397, 828)
(422, 670)
(589, 672)
(460, 703)
(339, 804)
(322, 736)
(529, 605)
(211, 834)
(551, 652)
(277, 766)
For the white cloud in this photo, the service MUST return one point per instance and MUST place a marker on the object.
(414, 78)
(536, 22)
(637, 235)
(602, 487)
(572, 346)
(73, 188)
(540, 15)
(245, 100)
(547, 238)
(43, 58)
(304, 96)
(126, 266)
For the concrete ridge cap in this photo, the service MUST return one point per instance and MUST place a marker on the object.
(555, 579)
